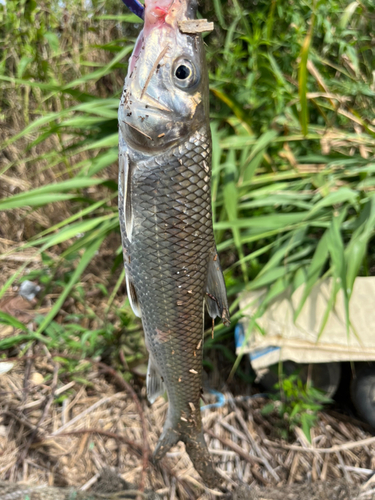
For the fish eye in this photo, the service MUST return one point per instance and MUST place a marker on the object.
(185, 74)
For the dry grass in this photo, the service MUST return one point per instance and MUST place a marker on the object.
(58, 432)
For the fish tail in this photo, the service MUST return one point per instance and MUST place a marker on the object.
(169, 437)
(196, 448)
(198, 452)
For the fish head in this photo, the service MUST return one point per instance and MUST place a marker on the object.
(165, 97)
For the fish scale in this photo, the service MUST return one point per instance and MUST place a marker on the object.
(167, 251)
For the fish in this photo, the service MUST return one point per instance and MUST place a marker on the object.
(172, 266)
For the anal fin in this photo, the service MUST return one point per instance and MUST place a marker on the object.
(155, 384)
(132, 296)
(216, 294)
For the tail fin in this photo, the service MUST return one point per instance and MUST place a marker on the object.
(198, 452)
(195, 447)
(169, 437)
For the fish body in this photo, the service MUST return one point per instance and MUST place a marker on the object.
(172, 267)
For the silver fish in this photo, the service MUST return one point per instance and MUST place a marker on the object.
(171, 262)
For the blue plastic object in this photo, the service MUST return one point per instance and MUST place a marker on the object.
(136, 7)
(221, 400)
(239, 338)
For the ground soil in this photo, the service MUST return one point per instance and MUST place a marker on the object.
(330, 490)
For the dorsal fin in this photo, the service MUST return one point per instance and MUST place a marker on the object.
(216, 294)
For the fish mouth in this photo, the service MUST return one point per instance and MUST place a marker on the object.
(153, 140)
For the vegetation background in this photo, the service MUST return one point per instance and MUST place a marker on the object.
(292, 114)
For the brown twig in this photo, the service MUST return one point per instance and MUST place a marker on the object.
(236, 448)
(343, 468)
(22, 420)
(118, 437)
(252, 441)
(333, 449)
(26, 382)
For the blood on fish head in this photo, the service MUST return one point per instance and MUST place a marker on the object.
(169, 12)
(156, 12)
(166, 90)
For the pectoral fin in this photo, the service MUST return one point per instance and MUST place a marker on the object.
(125, 192)
(155, 385)
(216, 294)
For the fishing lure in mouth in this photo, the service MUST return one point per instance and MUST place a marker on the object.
(172, 266)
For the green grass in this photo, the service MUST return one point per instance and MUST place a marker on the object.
(292, 107)
(297, 405)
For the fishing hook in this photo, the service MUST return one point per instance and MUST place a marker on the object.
(136, 7)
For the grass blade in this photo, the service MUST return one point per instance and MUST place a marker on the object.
(302, 78)
(83, 263)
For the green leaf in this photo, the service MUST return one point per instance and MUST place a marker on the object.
(277, 221)
(22, 65)
(294, 241)
(314, 271)
(338, 266)
(231, 205)
(127, 18)
(216, 156)
(357, 247)
(268, 408)
(307, 425)
(297, 408)
(83, 263)
(256, 155)
(342, 195)
(9, 342)
(99, 73)
(269, 277)
(71, 231)
(219, 12)
(7, 319)
(336, 250)
(276, 289)
(302, 77)
(348, 14)
(53, 41)
(47, 194)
